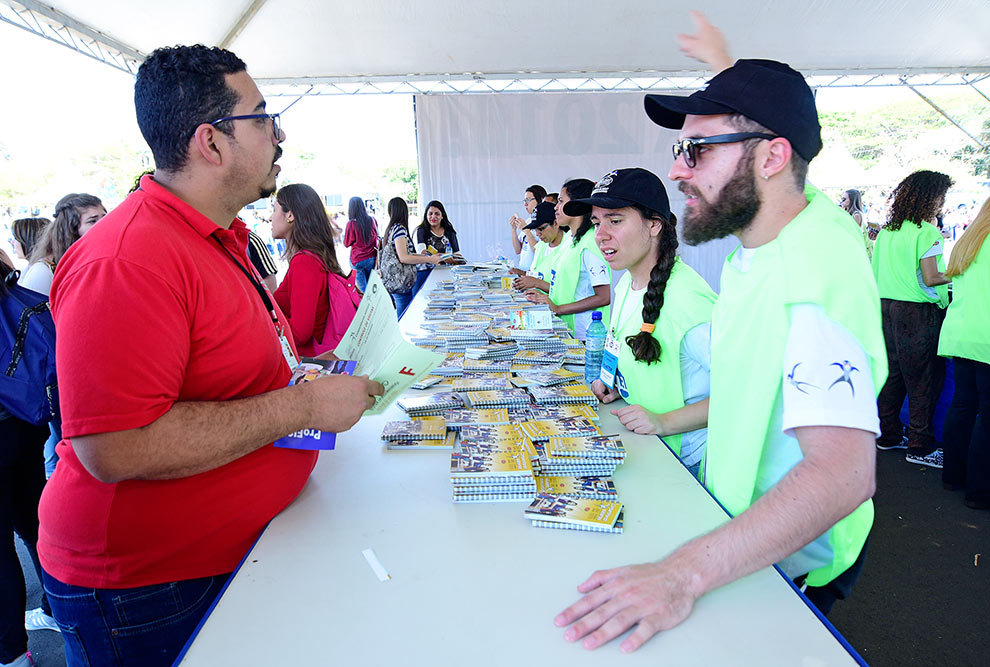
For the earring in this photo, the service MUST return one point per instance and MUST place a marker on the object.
(766, 177)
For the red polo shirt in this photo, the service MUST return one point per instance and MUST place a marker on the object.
(149, 310)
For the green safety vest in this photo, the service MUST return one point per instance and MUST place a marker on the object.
(687, 302)
(749, 333)
(966, 329)
(544, 257)
(896, 261)
(566, 271)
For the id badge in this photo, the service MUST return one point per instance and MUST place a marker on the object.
(610, 361)
(290, 356)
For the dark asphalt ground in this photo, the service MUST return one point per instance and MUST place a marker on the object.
(923, 597)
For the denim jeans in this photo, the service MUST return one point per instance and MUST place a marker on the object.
(401, 301)
(364, 269)
(966, 440)
(145, 626)
(421, 276)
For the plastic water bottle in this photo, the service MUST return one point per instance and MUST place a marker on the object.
(594, 347)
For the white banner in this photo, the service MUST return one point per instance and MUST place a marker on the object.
(478, 153)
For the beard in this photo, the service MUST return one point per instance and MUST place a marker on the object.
(266, 190)
(734, 208)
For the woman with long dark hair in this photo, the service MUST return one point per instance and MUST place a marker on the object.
(75, 214)
(852, 203)
(965, 337)
(908, 266)
(397, 235)
(434, 236)
(317, 297)
(361, 236)
(580, 278)
(657, 354)
(27, 232)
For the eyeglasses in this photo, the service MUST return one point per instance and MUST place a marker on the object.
(689, 147)
(529, 199)
(275, 118)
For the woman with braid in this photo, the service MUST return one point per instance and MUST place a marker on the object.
(657, 352)
(580, 280)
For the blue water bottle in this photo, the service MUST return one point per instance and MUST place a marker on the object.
(594, 347)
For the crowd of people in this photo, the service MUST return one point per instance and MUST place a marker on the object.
(174, 355)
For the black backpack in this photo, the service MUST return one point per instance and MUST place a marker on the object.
(28, 383)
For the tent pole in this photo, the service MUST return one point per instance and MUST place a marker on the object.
(946, 116)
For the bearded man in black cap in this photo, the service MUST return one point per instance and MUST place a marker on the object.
(797, 358)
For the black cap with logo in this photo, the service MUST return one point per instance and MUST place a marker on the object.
(543, 215)
(766, 91)
(621, 188)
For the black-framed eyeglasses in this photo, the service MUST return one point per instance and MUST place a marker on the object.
(689, 146)
(275, 118)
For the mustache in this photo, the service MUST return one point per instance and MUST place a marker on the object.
(278, 154)
(686, 189)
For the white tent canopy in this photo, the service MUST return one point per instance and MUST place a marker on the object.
(470, 151)
(398, 40)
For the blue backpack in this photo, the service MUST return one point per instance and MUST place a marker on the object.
(28, 384)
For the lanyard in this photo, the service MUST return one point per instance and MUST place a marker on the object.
(262, 292)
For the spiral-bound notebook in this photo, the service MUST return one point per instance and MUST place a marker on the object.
(544, 429)
(582, 513)
(426, 428)
(615, 528)
(431, 404)
(578, 487)
(568, 393)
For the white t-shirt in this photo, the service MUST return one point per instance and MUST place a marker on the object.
(37, 277)
(696, 364)
(934, 251)
(828, 381)
(594, 272)
(548, 253)
(526, 254)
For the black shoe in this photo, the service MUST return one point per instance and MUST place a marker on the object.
(897, 445)
(972, 503)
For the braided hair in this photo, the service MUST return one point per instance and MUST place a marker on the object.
(643, 345)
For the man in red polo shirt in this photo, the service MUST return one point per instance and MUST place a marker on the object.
(173, 365)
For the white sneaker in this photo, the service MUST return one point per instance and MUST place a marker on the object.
(36, 619)
(23, 661)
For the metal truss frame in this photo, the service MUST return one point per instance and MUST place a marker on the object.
(49, 23)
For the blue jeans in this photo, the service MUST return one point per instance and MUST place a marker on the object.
(364, 269)
(144, 626)
(401, 301)
(421, 277)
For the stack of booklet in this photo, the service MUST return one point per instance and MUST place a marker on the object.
(451, 366)
(492, 464)
(568, 393)
(419, 433)
(471, 382)
(539, 430)
(544, 378)
(602, 488)
(580, 456)
(566, 512)
(475, 417)
(497, 398)
(433, 404)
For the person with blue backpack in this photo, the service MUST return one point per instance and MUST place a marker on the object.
(27, 348)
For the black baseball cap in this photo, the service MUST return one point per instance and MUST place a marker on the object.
(766, 91)
(543, 214)
(621, 188)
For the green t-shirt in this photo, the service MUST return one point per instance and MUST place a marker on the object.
(966, 329)
(897, 263)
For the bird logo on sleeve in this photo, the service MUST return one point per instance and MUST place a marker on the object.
(846, 377)
(799, 385)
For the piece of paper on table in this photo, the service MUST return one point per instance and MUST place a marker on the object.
(375, 342)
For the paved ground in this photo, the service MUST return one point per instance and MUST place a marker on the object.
(923, 597)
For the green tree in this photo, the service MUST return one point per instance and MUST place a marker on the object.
(405, 175)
